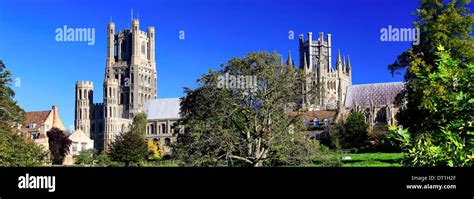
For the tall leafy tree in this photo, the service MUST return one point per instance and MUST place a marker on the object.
(59, 144)
(449, 25)
(10, 111)
(230, 124)
(438, 95)
(14, 150)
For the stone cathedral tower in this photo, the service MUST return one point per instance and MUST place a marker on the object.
(316, 60)
(130, 81)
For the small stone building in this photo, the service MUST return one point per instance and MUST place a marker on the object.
(37, 123)
(163, 115)
(80, 142)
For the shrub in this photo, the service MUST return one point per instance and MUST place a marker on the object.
(86, 157)
(103, 159)
(59, 145)
(15, 152)
(129, 148)
(443, 148)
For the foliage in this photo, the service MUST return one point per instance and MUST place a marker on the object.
(438, 99)
(448, 25)
(103, 159)
(440, 148)
(86, 157)
(59, 145)
(154, 151)
(334, 134)
(15, 152)
(286, 154)
(351, 134)
(243, 126)
(381, 143)
(10, 111)
(330, 160)
(129, 148)
(355, 131)
(139, 124)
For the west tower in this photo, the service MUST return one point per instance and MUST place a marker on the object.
(130, 80)
(316, 62)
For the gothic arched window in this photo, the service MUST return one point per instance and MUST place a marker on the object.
(163, 128)
(143, 48)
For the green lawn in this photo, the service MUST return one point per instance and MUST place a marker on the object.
(371, 164)
(367, 160)
(374, 156)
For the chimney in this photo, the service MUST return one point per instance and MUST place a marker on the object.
(56, 117)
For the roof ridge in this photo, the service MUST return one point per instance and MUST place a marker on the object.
(37, 111)
(377, 83)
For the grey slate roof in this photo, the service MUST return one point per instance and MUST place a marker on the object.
(165, 108)
(378, 94)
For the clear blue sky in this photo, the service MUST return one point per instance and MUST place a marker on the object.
(215, 31)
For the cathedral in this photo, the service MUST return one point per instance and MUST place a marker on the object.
(130, 87)
(337, 96)
(130, 81)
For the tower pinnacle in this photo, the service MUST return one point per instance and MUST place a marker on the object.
(305, 65)
(348, 63)
(339, 61)
(289, 62)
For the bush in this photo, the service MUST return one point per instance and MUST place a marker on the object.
(355, 133)
(154, 152)
(86, 157)
(351, 134)
(444, 136)
(129, 148)
(327, 159)
(59, 145)
(15, 152)
(381, 143)
(443, 148)
(103, 160)
(334, 135)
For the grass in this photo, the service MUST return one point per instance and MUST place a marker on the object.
(163, 163)
(374, 156)
(366, 160)
(373, 160)
(371, 164)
